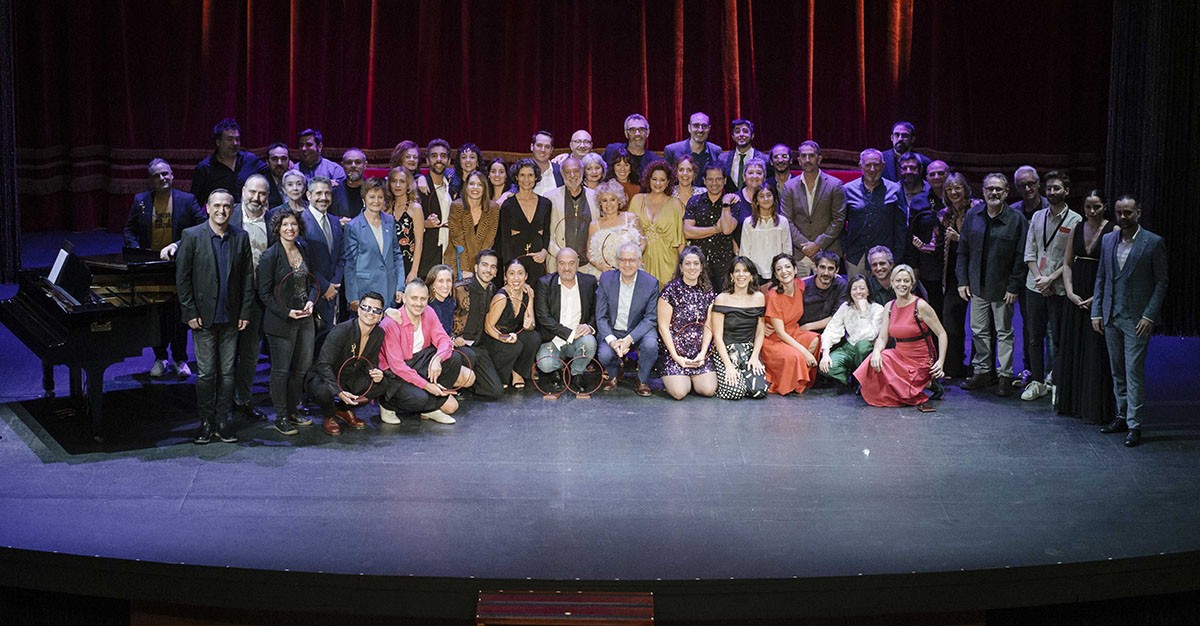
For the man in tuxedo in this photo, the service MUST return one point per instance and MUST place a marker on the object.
(627, 318)
(215, 285)
(434, 191)
(733, 162)
(697, 144)
(903, 135)
(323, 242)
(573, 209)
(157, 220)
(565, 307)
(1130, 285)
(637, 131)
(815, 206)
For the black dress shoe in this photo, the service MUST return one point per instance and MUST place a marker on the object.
(1118, 425)
(250, 411)
(1133, 438)
(1006, 387)
(979, 381)
(204, 435)
(224, 432)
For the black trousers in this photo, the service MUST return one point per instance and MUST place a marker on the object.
(402, 396)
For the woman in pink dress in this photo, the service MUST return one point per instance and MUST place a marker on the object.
(898, 376)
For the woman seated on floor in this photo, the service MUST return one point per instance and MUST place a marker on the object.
(512, 338)
(850, 336)
(898, 376)
(737, 328)
(789, 351)
(683, 333)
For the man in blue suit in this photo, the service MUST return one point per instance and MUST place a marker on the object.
(627, 317)
(323, 242)
(1130, 285)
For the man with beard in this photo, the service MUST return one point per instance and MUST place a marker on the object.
(215, 285)
(541, 148)
(879, 281)
(1028, 185)
(781, 167)
(323, 240)
(734, 161)
(312, 163)
(923, 251)
(876, 213)
(697, 144)
(1045, 248)
(228, 166)
(279, 161)
(991, 272)
(815, 205)
(347, 198)
(824, 292)
(250, 215)
(435, 202)
(1130, 286)
(935, 175)
(637, 131)
(472, 296)
(903, 135)
(573, 209)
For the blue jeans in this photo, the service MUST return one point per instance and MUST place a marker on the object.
(647, 351)
(291, 356)
(1127, 355)
(216, 347)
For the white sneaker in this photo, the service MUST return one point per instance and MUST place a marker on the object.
(438, 416)
(182, 369)
(1053, 394)
(159, 368)
(1034, 390)
(388, 416)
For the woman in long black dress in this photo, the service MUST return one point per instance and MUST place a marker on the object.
(512, 340)
(524, 231)
(1083, 381)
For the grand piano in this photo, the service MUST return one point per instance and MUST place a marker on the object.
(90, 312)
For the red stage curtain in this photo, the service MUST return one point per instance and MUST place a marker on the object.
(104, 86)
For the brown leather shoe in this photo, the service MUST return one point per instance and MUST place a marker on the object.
(351, 420)
(331, 426)
(609, 384)
(643, 389)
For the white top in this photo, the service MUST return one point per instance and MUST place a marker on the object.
(378, 230)
(1046, 244)
(1125, 247)
(761, 243)
(853, 324)
(570, 311)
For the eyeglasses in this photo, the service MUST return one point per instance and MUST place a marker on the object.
(373, 310)
(1032, 184)
(637, 129)
(576, 142)
(701, 126)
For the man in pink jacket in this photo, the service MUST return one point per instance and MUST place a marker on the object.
(417, 351)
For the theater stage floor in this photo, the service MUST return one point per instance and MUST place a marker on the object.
(613, 488)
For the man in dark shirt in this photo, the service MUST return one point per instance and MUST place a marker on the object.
(472, 298)
(824, 292)
(879, 280)
(228, 166)
(903, 135)
(215, 285)
(279, 161)
(637, 131)
(781, 167)
(922, 252)
(935, 176)
(347, 197)
(991, 272)
(697, 144)
(876, 213)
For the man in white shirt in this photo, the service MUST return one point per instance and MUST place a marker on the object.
(436, 204)
(565, 307)
(627, 318)
(541, 148)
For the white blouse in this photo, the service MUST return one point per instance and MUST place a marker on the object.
(853, 324)
(761, 243)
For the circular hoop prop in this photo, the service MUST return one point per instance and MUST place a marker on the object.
(538, 377)
(355, 366)
(283, 297)
(466, 358)
(585, 387)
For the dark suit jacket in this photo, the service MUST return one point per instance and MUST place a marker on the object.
(610, 153)
(726, 159)
(327, 266)
(681, 148)
(1138, 288)
(340, 345)
(431, 252)
(211, 174)
(891, 167)
(1005, 254)
(347, 202)
(546, 305)
(643, 307)
(196, 276)
(471, 300)
(275, 281)
(185, 212)
(822, 223)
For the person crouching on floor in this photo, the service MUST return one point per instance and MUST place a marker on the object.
(347, 369)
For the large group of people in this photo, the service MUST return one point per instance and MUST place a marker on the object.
(721, 272)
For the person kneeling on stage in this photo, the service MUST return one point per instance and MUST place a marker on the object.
(626, 318)
(472, 296)
(414, 344)
(565, 308)
(347, 369)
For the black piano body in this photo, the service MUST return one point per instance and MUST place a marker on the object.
(131, 304)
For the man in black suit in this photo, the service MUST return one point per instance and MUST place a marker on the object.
(347, 369)
(697, 144)
(156, 222)
(434, 190)
(215, 283)
(565, 307)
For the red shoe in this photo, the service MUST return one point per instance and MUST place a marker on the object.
(351, 420)
(331, 426)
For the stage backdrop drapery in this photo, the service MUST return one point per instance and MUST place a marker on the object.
(104, 86)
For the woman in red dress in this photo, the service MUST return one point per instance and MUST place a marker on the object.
(898, 376)
(788, 353)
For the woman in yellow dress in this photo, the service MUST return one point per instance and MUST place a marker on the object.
(660, 217)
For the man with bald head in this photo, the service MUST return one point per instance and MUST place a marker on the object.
(250, 216)
(573, 210)
(581, 146)
(565, 307)
(347, 197)
(697, 144)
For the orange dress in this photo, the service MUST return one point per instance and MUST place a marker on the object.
(786, 369)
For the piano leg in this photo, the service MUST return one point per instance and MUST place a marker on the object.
(95, 393)
(76, 382)
(47, 380)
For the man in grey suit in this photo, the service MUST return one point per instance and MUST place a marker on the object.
(215, 283)
(627, 317)
(816, 208)
(697, 144)
(1130, 285)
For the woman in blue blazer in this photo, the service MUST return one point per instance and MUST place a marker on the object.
(371, 251)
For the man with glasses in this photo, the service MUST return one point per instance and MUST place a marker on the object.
(903, 134)
(581, 146)
(627, 318)
(347, 370)
(991, 272)
(697, 144)
(1028, 184)
(637, 131)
